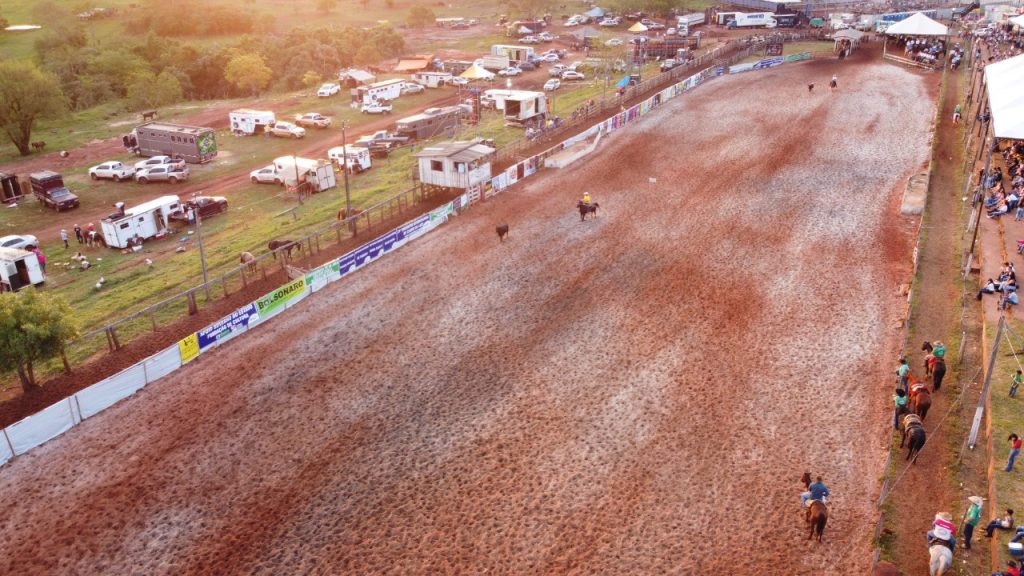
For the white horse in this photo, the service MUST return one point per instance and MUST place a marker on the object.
(941, 560)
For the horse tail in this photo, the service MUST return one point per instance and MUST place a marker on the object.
(819, 525)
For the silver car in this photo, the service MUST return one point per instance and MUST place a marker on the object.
(166, 173)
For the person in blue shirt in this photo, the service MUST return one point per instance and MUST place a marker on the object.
(816, 491)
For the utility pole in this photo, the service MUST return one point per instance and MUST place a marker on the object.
(344, 169)
(202, 252)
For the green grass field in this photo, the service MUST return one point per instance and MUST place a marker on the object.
(793, 48)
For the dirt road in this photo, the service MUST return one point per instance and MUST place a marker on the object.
(636, 394)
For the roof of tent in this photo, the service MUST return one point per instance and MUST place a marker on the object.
(1006, 98)
(476, 71)
(595, 13)
(848, 33)
(638, 27)
(1018, 20)
(917, 25)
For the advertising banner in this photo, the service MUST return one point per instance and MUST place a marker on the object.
(798, 57)
(324, 275)
(226, 328)
(769, 63)
(741, 67)
(188, 347)
(277, 300)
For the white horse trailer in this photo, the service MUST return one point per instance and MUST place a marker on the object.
(133, 225)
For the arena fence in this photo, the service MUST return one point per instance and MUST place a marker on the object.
(56, 419)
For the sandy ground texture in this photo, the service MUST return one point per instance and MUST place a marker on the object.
(636, 394)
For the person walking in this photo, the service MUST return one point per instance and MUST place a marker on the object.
(1015, 383)
(956, 114)
(903, 373)
(41, 257)
(971, 519)
(64, 237)
(1015, 445)
(78, 234)
(834, 83)
(899, 399)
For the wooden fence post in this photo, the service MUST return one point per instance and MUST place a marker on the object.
(152, 320)
(113, 338)
(224, 284)
(192, 307)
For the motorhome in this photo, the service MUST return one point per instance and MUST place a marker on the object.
(194, 144)
(130, 226)
(356, 158)
(247, 122)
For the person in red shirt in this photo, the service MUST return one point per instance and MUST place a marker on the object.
(1015, 445)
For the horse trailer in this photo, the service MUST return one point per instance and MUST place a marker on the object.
(194, 144)
(525, 108)
(129, 227)
(247, 122)
(380, 91)
(19, 268)
(432, 79)
(432, 122)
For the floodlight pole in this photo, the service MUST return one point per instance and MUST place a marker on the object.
(202, 252)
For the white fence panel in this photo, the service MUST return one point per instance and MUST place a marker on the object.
(6, 453)
(48, 423)
(162, 363)
(106, 393)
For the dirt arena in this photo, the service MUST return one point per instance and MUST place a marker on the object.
(637, 394)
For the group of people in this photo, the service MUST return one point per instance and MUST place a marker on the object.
(944, 531)
(1005, 286)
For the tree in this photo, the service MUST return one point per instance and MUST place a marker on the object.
(368, 54)
(311, 79)
(34, 326)
(420, 17)
(146, 91)
(26, 95)
(248, 72)
(325, 6)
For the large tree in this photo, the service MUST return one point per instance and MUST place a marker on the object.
(34, 326)
(147, 91)
(420, 17)
(248, 72)
(26, 95)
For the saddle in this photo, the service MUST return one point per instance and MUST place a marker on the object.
(917, 387)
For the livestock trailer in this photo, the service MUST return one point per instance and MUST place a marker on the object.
(379, 91)
(248, 122)
(318, 174)
(19, 268)
(432, 122)
(130, 226)
(10, 189)
(514, 53)
(525, 108)
(194, 144)
(432, 79)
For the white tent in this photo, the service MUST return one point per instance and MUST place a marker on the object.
(917, 25)
(1018, 20)
(477, 72)
(1005, 97)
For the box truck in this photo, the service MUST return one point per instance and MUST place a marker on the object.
(524, 108)
(247, 122)
(194, 144)
(687, 21)
(130, 226)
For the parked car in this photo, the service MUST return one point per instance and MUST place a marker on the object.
(529, 40)
(158, 161)
(553, 84)
(572, 75)
(573, 21)
(313, 119)
(510, 71)
(609, 22)
(671, 63)
(204, 207)
(670, 32)
(266, 175)
(545, 37)
(655, 26)
(287, 130)
(18, 241)
(549, 57)
(329, 89)
(165, 173)
(376, 108)
(458, 81)
(614, 42)
(412, 88)
(638, 40)
(113, 170)
(527, 65)
(575, 66)
(556, 70)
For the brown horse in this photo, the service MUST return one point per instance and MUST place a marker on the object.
(248, 258)
(585, 209)
(817, 517)
(920, 402)
(502, 231)
(285, 246)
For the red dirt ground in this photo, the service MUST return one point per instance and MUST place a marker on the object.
(636, 394)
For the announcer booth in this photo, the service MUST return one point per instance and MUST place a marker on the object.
(456, 165)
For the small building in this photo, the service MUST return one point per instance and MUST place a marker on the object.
(460, 165)
(355, 77)
(19, 268)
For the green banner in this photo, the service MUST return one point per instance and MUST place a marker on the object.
(268, 304)
(798, 57)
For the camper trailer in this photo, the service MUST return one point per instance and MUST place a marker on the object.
(379, 91)
(192, 143)
(318, 174)
(130, 226)
(432, 79)
(19, 268)
(432, 122)
(524, 108)
(247, 122)
(356, 158)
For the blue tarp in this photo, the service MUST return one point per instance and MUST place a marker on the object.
(596, 13)
(622, 83)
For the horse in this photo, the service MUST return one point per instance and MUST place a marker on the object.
(287, 245)
(502, 231)
(938, 372)
(913, 427)
(148, 115)
(920, 402)
(927, 348)
(817, 517)
(38, 146)
(941, 559)
(248, 258)
(585, 209)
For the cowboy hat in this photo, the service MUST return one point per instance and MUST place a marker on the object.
(976, 500)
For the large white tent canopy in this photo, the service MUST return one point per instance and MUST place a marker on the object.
(1006, 98)
(917, 25)
(1018, 20)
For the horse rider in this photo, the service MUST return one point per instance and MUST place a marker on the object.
(586, 198)
(816, 491)
(917, 386)
(943, 531)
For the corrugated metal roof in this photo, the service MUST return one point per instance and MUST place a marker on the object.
(458, 151)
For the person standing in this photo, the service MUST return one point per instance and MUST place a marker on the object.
(956, 114)
(64, 237)
(900, 401)
(78, 234)
(971, 519)
(1015, 446)
(1015, 383)
(903, 373)
(41, 257)
(834, 83)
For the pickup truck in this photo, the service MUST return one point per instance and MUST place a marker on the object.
(159, 161)
(313, 119)
(48, 187)
(166, 173)
(381, 137)
(116, 171)
(376, 108)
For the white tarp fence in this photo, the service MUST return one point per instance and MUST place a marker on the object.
(48, 423)
(1006, 97)
(106, 393)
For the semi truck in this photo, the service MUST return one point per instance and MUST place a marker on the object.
(686, 22)
(194, 144)
(754, 20)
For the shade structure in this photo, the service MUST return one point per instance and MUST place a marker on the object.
(848, 34)
(917, 25)
(638, 27)
(477, 72)
(585, 32)
(1018, 20)
(595, 12)
(1005, 97)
